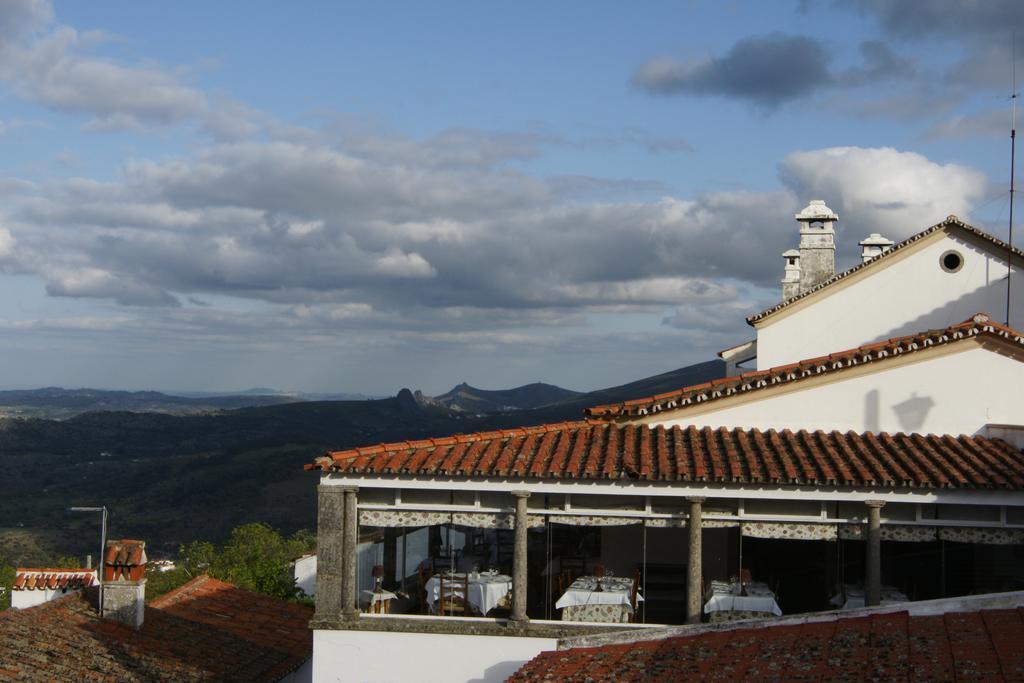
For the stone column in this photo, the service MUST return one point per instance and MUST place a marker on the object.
(519, 560)
(873, 561)
(350, 608)
(694, 579)
(330, 553)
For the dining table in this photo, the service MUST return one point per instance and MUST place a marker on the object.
(605, 599)
(732, 601)
(852, 596)
(487, 589)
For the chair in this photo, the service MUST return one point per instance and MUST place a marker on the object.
(453, 596)
(443, 563)
(422, 576)
(632, 595)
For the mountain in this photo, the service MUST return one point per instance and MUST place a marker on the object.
(57, 403)
(464, 398)
(171, 479)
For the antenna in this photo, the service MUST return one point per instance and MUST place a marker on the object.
(1013, 148)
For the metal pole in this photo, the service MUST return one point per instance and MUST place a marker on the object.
(103, 551)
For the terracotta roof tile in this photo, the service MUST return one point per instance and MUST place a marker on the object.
(52, 579)
(588, 450)
(978, 325)
(951, 221)
(985, 645)
(205, 630)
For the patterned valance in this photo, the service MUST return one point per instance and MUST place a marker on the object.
(480, 520)
(666, 522)
(494, 520)
(593, 520)
(706, 523)
(393, 518)
(989, 536)
(889, 532)
(791, 530)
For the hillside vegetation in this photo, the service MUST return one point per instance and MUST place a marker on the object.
(174, 479)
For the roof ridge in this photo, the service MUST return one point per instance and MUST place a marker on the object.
(979, 323)
(951, 220)
(182, 591)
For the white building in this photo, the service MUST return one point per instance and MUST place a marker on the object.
(878, 443)
(35, 586)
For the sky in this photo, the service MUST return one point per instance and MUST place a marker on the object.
(360, 197)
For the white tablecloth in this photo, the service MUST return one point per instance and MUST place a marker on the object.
(616, 591)
(485, 590)
(759, 598)
(890, 595)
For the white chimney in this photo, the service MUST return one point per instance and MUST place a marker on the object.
(791, 281)
(817, 244)
(874, 245)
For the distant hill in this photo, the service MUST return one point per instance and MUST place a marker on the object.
(464, 398)
(171, 479)
(57, 403)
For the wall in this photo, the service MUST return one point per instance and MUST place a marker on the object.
(909, 295)
(20, 599)
(383, 657)
(944, 390)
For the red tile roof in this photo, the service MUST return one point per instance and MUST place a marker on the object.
(205, 630)
(587, 450)
(979, 325)
(985, 645)
(52, 579)
(951, 221)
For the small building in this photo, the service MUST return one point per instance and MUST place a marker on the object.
(33, 587)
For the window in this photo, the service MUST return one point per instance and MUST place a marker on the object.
(951, 261)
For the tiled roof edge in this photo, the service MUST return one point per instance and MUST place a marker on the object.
(978, 324)
(951, 220)
(325, 461)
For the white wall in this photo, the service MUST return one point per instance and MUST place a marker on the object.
(943, 393)
(381, 657)
(21, 599)
(908, 296)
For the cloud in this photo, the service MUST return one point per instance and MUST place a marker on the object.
(882, 189)
(766, 70)
(56, 66)
(945, 17)
(880, 63)
(992, 123)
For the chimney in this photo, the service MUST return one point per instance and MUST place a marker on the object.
(873, 246)
(791, 281)
(817, 244)
(124, 582)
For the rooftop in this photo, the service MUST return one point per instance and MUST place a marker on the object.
(979, 644)
(950, 222)
(978, 326)
(587, 450)
(207, 629)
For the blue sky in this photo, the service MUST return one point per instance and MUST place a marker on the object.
(360, 197)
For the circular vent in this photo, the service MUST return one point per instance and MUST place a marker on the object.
(951, 261)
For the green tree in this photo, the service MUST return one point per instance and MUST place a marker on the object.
(7, 575)
(257, 557)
